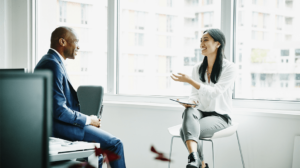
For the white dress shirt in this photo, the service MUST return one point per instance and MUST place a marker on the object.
(88, 118)
(215, 97)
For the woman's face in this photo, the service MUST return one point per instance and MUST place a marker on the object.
(208, 45)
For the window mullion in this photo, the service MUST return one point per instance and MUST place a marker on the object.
(227, 26)
(112, 27)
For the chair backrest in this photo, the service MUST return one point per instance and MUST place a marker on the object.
(90, 99)
(175, 131)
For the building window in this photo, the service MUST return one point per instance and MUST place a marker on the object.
(297, 79)
(241, 3)
(289, 3)
(170, 23)
(297, 52)
(285, 52)
(253, 79)
(62, 11)
(241, 18)
(208, 2)
(140, 20)
(169, 42)
(279, 21)
(208, 19)
(240, 57)
(139, 39)
(165, 23)
(84, 13)
(169, 3)
(254, 19)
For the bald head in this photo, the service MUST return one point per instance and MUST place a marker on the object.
(64, 40)
(61, 32)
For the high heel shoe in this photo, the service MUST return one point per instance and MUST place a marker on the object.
(194, 160)
(206, 165)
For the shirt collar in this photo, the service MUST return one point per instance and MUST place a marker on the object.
(61, 58)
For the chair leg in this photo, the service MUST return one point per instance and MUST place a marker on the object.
(171, 151)
(213, 153)
(240, 149)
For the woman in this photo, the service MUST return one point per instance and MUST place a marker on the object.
(212, 81)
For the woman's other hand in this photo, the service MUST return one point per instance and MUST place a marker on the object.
(181, 77)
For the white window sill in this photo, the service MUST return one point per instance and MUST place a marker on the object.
(236, 110)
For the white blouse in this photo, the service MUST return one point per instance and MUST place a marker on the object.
(215, 97)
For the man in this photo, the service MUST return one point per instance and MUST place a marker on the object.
(68, 122)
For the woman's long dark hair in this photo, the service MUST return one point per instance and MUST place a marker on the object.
(217, 35)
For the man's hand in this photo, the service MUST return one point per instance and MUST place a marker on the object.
(96, 122)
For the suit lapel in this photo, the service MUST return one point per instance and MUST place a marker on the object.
(62, 65)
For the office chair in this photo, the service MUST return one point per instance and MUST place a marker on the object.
(90, 100)
(175, 132)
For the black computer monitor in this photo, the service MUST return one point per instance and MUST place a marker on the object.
(14, 70)
(25, 119)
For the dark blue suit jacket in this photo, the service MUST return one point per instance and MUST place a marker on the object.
(68, 122)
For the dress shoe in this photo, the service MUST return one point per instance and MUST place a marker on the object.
(194, 160)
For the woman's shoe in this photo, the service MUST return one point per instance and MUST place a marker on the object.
(206, 165)
(194, 160)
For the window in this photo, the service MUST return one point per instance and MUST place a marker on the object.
(285, 53)
(165, 23)
(280, 3)
(89, 20)
(62, 11)
(139, 39)
(241, 18)
(208, 2)
(297, 52)
(241, 3)
(168, 42)
(84, 13)
(279, 21)
(144, 29)
(289, 4)
(208, 19)
(260, 20)
(297, 80)
(268, 52)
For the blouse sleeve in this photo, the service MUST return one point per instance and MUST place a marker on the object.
(226, 80)
(194, 92)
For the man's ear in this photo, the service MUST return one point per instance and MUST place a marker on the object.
(62, 42)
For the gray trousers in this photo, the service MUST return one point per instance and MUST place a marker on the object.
(194, 127)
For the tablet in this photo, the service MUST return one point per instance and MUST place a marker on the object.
(183, 102)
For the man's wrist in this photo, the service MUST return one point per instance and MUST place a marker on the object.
(88, 120)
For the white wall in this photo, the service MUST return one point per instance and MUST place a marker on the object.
(267, 140)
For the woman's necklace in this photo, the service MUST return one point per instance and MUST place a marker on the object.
(208, 74)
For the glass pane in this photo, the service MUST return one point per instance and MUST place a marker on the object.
(161, 37)
(89, 20)
(268, 50)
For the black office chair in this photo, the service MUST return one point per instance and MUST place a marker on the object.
(90, 100)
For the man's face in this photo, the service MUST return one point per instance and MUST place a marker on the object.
(72, 47)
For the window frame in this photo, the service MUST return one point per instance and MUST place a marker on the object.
(228, 26)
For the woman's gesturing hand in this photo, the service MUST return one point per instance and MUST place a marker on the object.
(181, 77)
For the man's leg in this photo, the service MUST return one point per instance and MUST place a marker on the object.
(107, 142)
